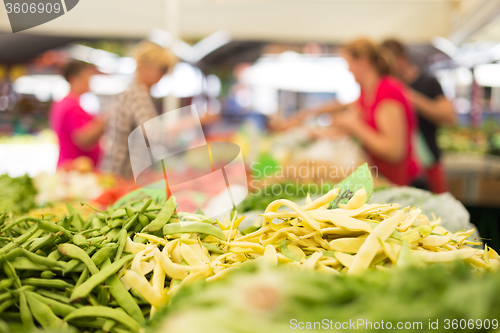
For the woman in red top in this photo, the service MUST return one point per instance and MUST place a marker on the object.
(382, 118)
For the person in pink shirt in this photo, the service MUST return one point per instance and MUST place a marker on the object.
(78, 132)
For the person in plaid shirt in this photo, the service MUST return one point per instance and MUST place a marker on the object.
(134, 106)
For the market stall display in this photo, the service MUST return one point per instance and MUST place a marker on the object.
(120, 266)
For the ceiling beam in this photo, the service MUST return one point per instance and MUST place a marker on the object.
(474, 20)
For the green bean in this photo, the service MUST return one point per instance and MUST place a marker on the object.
(108, 325)
(84, 289)
(16, 222)
(71, 266)
(128, 224)
(212, 248)
(66, 222)
(129, 211)
(115, 223)
(7, 304)
(11, 316)
(12, 255)
(24, 264)
(10, 271)
(59, 309)
(52, 227)
(120, 212)
(5, 296)
(4, 327)
(26, 316)
(6, 283)
(77, 222)
(122, 240)
(193, 227)
(75, 252)
(42, 242)
(54, 283)
(56, 255)
(20, 240)
(35, 258)
(150, 216)
(89, 231)
(105, 312)
(104, 253)
(162, 218)
(97, 210)
(143, 220)
(47, 274)
(122, 296)
(43, 314)
(53, 295)
(96, 323)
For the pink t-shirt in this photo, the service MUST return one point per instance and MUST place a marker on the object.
(406, 171)
(67, 116)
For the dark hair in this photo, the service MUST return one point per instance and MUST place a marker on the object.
(396, 48)
(379, 57)
(75, 67)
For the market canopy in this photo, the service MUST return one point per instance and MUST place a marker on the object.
(330, 21)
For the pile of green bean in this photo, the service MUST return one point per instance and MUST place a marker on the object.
(65, 274)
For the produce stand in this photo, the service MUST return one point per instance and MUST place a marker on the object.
(474, 179)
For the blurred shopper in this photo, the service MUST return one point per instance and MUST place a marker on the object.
(135, 105)
(382, 118)
(433, 109)
(78, 132)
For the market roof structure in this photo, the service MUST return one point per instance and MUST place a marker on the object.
(330, 21)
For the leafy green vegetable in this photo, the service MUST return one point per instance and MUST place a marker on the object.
(360, 178)
(258, 299)
(17, 194)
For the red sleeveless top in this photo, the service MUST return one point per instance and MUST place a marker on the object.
(406, 171)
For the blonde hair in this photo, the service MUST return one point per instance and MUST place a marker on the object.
(147, 52)
(380, 58)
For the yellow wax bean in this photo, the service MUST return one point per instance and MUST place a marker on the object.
(143, 288)
(279, 215)
(200, 253)
(340, 232)
(158, 279)
(174, 270)
(371, 246)
(493, 254)
(254, 246)
(270, 257)
(191, 258)
(296, 250)
(357, 200)
(254, 234)
(308, 198)
(343, 221)
(449, 256)
(147, 267)
(330, 261)
(302, 214)
(348, 245)
(136, 263)
(345, 259)
(434, 241)
(410, 219)
(325, 269)
(153, 239)
(311, 262)
(133, 247)
(326, 199)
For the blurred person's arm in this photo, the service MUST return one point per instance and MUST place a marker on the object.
(389, 141)
(439, 110)
(297, 119)
(87, 136)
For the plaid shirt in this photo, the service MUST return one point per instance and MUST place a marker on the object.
(134, 107)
